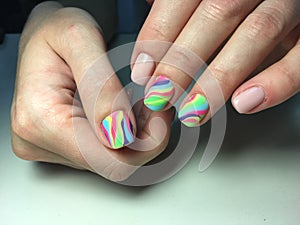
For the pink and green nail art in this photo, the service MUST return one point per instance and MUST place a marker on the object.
(118, 129)
(194, 110)
(159, 94)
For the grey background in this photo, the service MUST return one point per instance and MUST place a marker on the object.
(254, 180)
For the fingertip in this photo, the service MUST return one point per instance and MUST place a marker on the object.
(142, 69)
(159, 94)
(247, 100)
(193, 110)
(117, 130)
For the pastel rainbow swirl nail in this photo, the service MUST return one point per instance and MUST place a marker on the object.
(159, 94)
(118, 129)
(194, 110)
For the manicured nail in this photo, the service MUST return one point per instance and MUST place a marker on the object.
(248, 99)
(194, 110)
(159, 94)
(142, 69)
(118, 129)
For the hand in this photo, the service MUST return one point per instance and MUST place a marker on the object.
(62, 50)
(240, 38)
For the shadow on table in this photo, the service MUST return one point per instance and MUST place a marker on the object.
(275, 128)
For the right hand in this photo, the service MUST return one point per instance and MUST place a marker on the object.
(48, 123)
(240, 39)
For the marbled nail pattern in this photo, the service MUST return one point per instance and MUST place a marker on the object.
(118, 129)
(159, 94)
(194, 110)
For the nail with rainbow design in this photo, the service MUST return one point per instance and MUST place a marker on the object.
(118, 129)
(159, 94)
(194, 110)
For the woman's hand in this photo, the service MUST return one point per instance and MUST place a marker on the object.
(61, 51)
(238, 37)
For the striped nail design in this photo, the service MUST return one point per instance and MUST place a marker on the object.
(159, 94)
(194, 110)
(118, 129)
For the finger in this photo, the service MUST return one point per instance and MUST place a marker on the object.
(280, 50)
(255, 38)
(82, 146)
(215, 20)
(271, 87)
(79, 42)
(159, 26)
(151, 139)
(52, 141)
(153, 130)
(28, 151)
(115, 165)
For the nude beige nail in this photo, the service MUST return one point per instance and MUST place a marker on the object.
(249, 99)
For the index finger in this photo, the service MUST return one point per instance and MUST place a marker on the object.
(164, 22)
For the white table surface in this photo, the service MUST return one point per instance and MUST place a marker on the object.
(254, 180)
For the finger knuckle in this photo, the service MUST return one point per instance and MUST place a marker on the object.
(289, 77)
(266, 24)
(21, 122)
(183, 60)
(157, 29)
(22, 152)
(224, 79)
(221, 10)
(79, 29)
(75, 31)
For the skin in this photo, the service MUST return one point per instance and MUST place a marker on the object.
(239, 39)
(48, 123)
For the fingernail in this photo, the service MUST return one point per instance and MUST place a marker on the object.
(194, 110)
(248, 99)
(118, 129)
(142, 69)
(159, 94)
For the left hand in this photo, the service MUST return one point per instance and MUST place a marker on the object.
(62, 50)
(250, 37)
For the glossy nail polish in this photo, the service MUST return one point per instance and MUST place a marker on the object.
(194, 110)
(159, 94)
(118, 129)
(249, 99)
